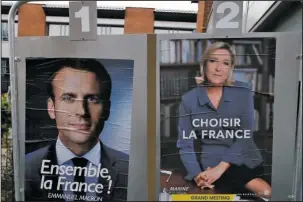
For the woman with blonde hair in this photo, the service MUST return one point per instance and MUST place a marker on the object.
(220, 110)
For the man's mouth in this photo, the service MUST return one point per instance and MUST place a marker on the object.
(80, 126)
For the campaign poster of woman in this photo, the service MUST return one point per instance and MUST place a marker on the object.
(216, 116)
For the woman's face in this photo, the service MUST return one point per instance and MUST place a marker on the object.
(218, 66)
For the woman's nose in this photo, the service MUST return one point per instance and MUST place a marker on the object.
(218, 66)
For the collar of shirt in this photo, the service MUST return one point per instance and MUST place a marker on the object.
(203, 97)
(64, 154)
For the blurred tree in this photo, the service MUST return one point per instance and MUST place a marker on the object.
(6, 121)
(7, 171)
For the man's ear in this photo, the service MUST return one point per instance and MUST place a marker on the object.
(51, 108)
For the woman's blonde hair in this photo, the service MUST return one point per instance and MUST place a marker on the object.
(213, 47)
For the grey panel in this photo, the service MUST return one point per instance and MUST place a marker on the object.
(285, 112)
(106, 47)
(286, 92)
(211, 36)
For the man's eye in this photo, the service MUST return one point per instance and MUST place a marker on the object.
(212, 60)
(93, 99)
(67, 98)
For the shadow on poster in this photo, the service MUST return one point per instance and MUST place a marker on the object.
(78, 129)
(216, 124)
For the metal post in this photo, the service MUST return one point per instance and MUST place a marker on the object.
(298, 163)
(14, 98)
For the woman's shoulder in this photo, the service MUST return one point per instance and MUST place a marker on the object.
(239, 86)
(189, 95)
(239, 90)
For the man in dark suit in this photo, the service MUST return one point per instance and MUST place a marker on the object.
(78, 166)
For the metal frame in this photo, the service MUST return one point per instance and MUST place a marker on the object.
(14, 96)
(298, 172)
(286, 88)
(285, 118)
(63, 47)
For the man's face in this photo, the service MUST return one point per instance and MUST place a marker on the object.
(76, 107)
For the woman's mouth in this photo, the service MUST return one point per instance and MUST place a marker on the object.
(216, 75)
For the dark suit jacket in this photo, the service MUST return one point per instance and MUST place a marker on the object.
(116, 162)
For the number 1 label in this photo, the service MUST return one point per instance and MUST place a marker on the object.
(83, 14)
(83, 20)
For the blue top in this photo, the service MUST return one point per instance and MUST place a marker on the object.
(214, 129)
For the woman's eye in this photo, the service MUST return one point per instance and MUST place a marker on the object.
(212, 60)
(226, 63)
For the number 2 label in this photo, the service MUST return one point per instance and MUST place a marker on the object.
(226, 21)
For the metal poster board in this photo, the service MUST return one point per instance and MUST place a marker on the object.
(227, 116)
(82, 98)
(298, 172)
(223, 123)
(124, 130)
(94, 92)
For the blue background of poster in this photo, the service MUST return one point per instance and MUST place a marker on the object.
(117, 130)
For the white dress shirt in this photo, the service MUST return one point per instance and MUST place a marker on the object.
(65, 156)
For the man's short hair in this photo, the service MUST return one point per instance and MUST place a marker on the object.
(90, 65)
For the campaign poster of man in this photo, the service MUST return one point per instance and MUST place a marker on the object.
(78, 129)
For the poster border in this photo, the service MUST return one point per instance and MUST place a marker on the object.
(115, 47)
(286, 89)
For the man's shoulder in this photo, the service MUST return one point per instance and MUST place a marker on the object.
(118, 156)
(36, 155)
(33, 163)
(115, 154)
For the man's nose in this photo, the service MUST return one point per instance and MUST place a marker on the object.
(80, 107)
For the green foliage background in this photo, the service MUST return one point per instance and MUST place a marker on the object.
(7, 169)
(6, 121)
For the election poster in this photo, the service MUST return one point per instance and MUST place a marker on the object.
(78, 129)
(216, 125)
